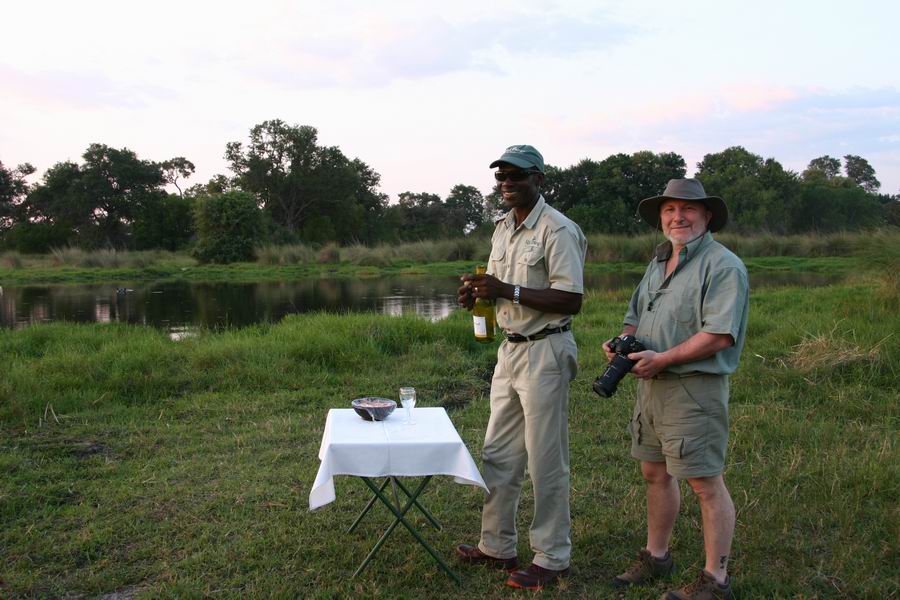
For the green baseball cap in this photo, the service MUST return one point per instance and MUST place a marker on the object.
(522, 156)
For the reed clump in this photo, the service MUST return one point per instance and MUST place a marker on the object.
(288, 254)
(11, 260)
(108, 258)
(364, 256)
(329, 254)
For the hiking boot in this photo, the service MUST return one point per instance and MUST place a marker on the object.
(535, 577)
(474, 556)
(704, 588)
(645, 569)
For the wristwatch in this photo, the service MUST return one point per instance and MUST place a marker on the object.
(516, 292)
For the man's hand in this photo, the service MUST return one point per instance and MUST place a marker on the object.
(481, 286)
(647, 363)
(626, 330)
(609, 353)
(478, 286)
(464, 293)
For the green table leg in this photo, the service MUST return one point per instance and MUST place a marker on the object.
(369, 506)
(421, 508)
(399, 518)
(404, 489)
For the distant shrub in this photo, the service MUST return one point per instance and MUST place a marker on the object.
(36, 238)
(10, 260)
(329, 254)
(229, 227)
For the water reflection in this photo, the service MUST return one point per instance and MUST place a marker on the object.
(182, 307)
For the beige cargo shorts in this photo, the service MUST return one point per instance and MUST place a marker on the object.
(682, 421)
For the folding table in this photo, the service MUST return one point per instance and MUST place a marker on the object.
(392, 449)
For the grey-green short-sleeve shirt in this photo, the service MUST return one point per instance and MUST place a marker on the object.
(708, 291)
(547, 250)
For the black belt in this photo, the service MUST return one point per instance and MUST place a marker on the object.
(515, 338)
(668, 375)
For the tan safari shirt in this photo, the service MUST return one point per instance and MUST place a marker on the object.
(546, 251)
(708, 291)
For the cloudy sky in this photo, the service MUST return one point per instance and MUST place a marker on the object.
(430, 93)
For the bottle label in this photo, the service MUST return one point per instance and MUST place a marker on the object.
(480, 326)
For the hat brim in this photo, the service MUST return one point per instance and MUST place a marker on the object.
(648, 209)
(516, 162)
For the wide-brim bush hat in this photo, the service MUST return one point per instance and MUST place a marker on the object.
(522, 156)
(685, 189)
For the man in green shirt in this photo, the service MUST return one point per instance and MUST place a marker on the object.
(690, 312)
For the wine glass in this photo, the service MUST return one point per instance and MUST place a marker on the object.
(408, 400)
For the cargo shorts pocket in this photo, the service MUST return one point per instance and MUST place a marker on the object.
(684, 448)
(634, 428)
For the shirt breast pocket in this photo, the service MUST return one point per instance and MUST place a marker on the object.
(688, 305)
(498, 263)
(533, 269)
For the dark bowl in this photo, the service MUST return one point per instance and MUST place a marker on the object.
(373, 408)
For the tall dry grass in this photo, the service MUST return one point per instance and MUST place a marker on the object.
(289, 254)
(106, 258)
(11, 260)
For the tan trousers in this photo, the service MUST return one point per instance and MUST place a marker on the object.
(529, 426)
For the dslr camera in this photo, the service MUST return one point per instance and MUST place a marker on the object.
(606, 384)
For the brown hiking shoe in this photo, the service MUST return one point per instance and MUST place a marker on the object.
(535, 577)
(704, 588)
(645, 569)
(474, 556)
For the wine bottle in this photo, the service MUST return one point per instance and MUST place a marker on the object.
(483, 315)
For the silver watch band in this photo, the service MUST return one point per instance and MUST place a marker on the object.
(516, 292)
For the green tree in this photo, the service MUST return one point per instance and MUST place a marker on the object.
(95, 202)
(174, 168)
(566, 188)
(314, 192)
(424, 216)
(164, 221)
(13, 189)
(860, 171)
(823, 167)
(216, 185)
(891, 211)
(603, 196)
(229, 226)
(837, 206)
(467, 204)
(761, 195)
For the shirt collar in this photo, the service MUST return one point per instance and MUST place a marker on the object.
(691, 249)
(532, 218)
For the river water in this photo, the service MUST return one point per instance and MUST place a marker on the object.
(182, 306)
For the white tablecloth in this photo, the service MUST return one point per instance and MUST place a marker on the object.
(352, 446)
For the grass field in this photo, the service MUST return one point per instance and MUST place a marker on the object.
(165, 469)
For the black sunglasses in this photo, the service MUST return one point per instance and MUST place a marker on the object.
(518, 175)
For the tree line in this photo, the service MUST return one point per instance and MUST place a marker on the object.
(285, 187)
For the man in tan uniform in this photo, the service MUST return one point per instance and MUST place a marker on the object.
(690, 312)
(536, 277)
